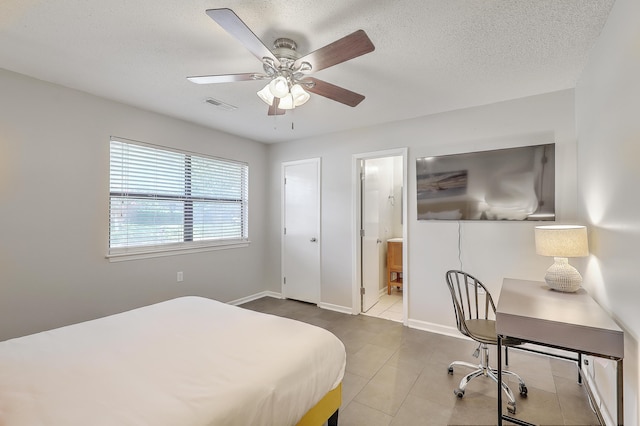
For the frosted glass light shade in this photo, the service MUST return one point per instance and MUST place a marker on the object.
(286, 102)
(300, 96)
(279, 87)
(266, 95)
(561, 242)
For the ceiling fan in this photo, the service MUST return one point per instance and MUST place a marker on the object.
(287, 69)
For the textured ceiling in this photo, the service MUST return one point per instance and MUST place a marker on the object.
(431, 55)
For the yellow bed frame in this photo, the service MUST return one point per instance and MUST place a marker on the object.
(326, 408)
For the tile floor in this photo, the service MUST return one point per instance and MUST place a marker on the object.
(396, 375)
(388, 307)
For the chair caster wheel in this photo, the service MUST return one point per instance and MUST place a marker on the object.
(511, 407)
(523, 390)
(451, 370)
(458, 392)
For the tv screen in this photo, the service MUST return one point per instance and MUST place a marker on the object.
(503, 184)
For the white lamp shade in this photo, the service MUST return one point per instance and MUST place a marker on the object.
(286, 102)
(562, 241)
(279, 87)
(266, 95)
(300, 96)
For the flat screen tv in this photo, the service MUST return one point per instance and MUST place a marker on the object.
(503, 184)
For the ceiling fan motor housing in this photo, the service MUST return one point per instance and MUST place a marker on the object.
(285, 50)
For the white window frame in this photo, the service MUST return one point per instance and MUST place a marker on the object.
(133, 251)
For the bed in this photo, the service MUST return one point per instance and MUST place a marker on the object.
(188, 361)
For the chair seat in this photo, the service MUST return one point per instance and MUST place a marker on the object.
(485, 331)
(482, 330)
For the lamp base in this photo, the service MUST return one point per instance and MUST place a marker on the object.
(563, 277)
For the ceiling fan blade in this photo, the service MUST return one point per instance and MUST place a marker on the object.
(273, 108)
(228, 20)
(348, 47)
(223, 78)
(334, 92)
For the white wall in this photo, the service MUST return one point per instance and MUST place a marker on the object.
(608, 126)
(54, 192)
(491, 250)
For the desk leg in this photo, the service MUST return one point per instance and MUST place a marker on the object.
(579, 368)
(500, 416)
(499, 380)
(619, 392)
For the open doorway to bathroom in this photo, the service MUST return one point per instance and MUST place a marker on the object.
(381, 285)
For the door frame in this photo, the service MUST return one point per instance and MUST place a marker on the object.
(356, 225)
(318, 162)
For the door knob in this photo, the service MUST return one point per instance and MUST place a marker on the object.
(378, 241)
(314, 239)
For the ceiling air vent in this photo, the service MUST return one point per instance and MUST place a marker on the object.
(220, 104)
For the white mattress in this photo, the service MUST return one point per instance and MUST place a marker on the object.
(185, 362)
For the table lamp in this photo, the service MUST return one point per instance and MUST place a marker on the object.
(561, 242)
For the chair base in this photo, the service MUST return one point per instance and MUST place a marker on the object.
(484, 369)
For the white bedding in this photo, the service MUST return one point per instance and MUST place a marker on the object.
(185, 362)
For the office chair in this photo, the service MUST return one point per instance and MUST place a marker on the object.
(473, 306)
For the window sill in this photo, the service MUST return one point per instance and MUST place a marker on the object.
(150, 253)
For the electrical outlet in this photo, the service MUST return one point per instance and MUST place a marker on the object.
(180, 277)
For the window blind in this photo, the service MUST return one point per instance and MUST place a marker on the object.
(164, 199)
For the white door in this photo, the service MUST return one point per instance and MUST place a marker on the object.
(301, 230)
(371, 239)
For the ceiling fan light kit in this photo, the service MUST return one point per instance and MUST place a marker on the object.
(290, 95)
(286, 70)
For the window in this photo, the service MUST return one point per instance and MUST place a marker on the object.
(162, 200)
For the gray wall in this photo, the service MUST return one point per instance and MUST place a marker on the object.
(608, 123)
(54, 192)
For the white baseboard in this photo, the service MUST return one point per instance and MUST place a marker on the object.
(435, 328)
(454, 332)
(336, 308)
(255, 297)
(328, 306)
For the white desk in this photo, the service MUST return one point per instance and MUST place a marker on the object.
(530, 311)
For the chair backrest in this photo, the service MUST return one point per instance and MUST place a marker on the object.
(471, 299)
